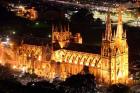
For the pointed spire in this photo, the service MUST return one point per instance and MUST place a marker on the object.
(119, 31)
(114, 35)
(108, 31)
(22, 42)
(53, 28)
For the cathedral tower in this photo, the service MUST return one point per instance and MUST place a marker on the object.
(114, 53)
(121, 52)
(106, 52)
(61, 35)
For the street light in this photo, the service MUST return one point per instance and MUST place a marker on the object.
(14, 32)
(49, 36)
(37, 23)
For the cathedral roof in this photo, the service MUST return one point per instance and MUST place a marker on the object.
(77, 57)
(80, 47)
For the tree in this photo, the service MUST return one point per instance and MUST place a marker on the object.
(80, 83)
(118, 88)
(98, 22)
(83, 16)
(6, 72)
(82, 22)
(10, 86)
(41, 86)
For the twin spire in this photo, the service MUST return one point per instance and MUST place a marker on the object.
(108, 31)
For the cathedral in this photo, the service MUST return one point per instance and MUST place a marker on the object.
(68, 56)
(109, 64)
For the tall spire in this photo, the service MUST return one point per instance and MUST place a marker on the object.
(53, 28)
(119, 31)
(108, 31)
(114, 35)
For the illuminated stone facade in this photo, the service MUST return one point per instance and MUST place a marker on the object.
(63, 36)
(111, 65)
(114, 54)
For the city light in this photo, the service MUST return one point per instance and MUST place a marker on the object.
(7, 39)
(37, 23)
(11, 44)
(81, 63)
(131, 78)
(92, 65)
(21, 7)
(14, 67)
(24, 11)
(75, 62)
(49, 36)
(39, 58)
(14, 32)
(24, 68)
(69, 53)
(87, 64)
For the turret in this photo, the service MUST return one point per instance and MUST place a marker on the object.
(61, 35)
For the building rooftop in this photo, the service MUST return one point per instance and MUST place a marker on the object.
(80, 47)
